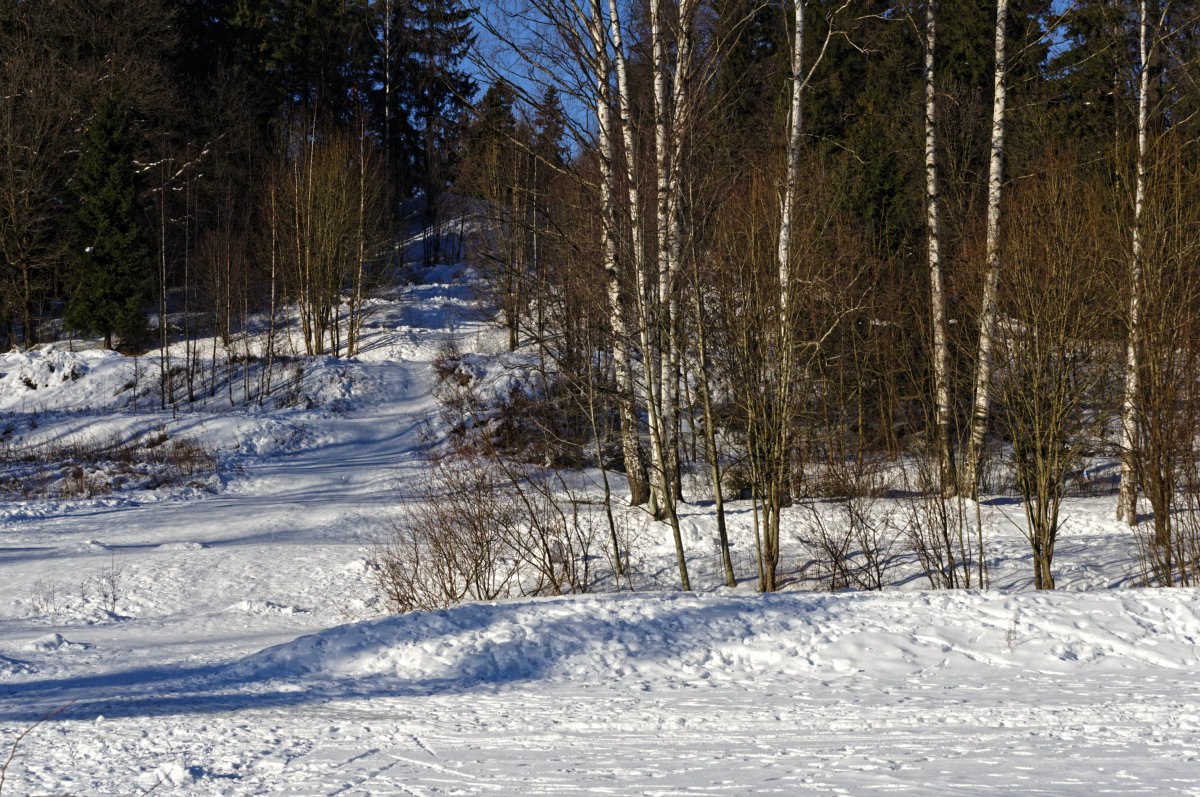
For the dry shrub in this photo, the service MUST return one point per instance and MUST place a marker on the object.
(1053, 366)
(87, 466)
(850, 540)
(1173, 558)
(1167, 400)
(943, 531)
(477, 528)
(449, 541)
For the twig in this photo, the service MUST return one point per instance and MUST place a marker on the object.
(13, 750)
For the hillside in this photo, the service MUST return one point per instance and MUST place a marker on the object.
(221, 634)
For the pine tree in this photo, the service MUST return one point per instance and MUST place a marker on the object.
(751, 78)
(110, 261)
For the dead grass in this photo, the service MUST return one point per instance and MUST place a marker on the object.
(87, 466)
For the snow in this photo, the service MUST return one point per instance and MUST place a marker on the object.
(244, 651)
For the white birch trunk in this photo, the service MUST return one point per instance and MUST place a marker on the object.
(635, 468)
(1127, 496)
(680, 119)
(987, 319)
(792, 174)
(937, 296)
(784, 246)
(655, 363)
(615, 285)
(655, 382)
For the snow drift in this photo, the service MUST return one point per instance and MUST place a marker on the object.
(687, 640)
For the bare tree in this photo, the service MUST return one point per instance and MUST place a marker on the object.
(937, 294)
(1164, 451)
(36, 131)
(1052, 364)
(330, 207)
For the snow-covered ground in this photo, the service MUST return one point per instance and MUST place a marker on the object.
(223, 638)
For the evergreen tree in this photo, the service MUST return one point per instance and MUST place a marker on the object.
(549, 128)
(752, 77)
(429, 93)
(110, 261)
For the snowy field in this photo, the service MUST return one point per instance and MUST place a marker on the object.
(219, 635)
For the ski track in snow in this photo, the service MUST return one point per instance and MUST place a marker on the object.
(231, 664)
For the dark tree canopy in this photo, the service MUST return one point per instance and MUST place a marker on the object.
(109, 257)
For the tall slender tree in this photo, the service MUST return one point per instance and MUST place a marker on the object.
(429, 92)
(937, 292)
(987, 318)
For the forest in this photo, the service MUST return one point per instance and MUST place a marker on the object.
(820, 248)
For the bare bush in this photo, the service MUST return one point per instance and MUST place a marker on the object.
(1167, 399)
(478, 528)
(558, 534)
(944, 532)
(449, 541)
(1053, 369)
(1173, 559)
(851, 540)
(46, 597)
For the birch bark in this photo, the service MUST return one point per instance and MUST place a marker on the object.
(1127, 495)
(937, 296)
(657, 325)
(792, 173)
(635, 467)
(987, 320)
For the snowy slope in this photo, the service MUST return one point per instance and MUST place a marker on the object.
(243, 651)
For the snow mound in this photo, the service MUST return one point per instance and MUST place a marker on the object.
(259, 608)
(50, 642)
(11, 667)
(171, 774)
(687, 640)
(53, 378)
(180, 546)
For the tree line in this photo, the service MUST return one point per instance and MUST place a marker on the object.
(216, 157)
(810, 240)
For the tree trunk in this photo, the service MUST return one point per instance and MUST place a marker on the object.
(635, 466)
(987, 320)
(1127, 497)
(615, 285)
(657, 383)
(937, 297)
(710, 439)
(791, 175)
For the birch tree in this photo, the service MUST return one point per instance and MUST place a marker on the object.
(987, 316)
(937, 297)
(660, 359)
(1127, 496)
(634, 465)
(774, 436)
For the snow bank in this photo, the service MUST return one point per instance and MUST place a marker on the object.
(685, 640)
(55, 378)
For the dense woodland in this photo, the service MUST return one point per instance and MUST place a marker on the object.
(783, 245)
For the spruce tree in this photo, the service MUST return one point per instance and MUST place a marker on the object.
(429, 93)
(110, 261)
